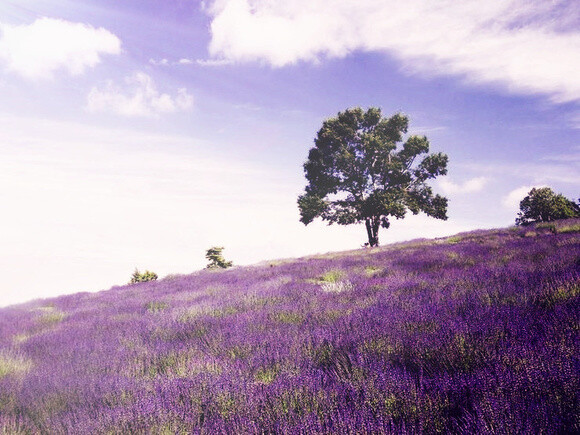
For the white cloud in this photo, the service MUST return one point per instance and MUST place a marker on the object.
(512, 199)
(470, 186)
(142, 98)
(47, 45)
(524, 47)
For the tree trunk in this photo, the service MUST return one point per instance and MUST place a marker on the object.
(372, 225)
(376, 226)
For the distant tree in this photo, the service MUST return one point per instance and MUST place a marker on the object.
(356, 174)
(216, 259)
(143, 277)
(543, 205)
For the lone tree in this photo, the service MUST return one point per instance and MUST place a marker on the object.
(543, 205)
(356, 173)
(216, 259)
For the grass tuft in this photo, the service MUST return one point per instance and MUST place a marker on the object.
(288, 317)
(569, 229)
(559, 294)
(13, 365)
(331, 276)
(372, 270)
(156, 306)
(266, 375)
(51, 318)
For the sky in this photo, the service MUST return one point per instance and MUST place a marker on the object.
(140, 133)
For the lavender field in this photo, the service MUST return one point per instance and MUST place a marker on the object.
(475, 333)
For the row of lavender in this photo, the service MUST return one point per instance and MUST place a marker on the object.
(473, 333)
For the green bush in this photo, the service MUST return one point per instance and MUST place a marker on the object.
(143, 277)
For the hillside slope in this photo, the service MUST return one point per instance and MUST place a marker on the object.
(473, 333)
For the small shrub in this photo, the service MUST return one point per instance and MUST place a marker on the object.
(216, 259)
(143, 277)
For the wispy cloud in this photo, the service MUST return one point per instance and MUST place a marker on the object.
(187, 61)
(522, 47)
(38, 50)
(213, 62)
(159, 62)
(565, 172)
(425, 129)
(167, 62)
(571, 157)
(140, 99)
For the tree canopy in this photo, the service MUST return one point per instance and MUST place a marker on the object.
(543, 205)
(356, 173)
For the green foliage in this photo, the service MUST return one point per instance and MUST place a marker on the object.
(543, 205)
(356, 174)
(216, 259)
(143, 277)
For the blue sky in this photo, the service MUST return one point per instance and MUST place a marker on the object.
(141, 133)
